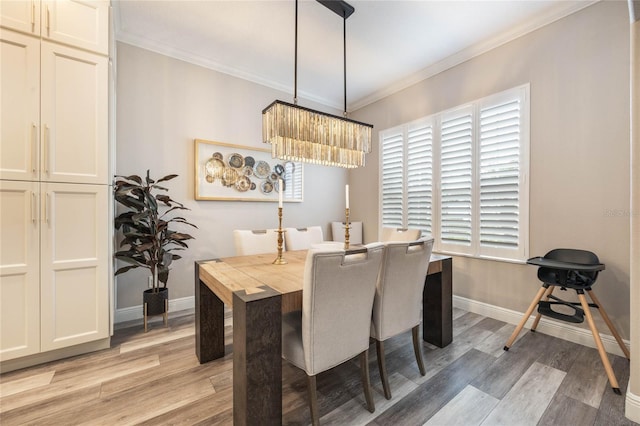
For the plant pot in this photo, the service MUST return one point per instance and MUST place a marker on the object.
(155, 301)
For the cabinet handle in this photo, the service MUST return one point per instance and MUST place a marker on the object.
(33, 16)
(46, 207)
(33, 207)
(34, 147)
(45, 147)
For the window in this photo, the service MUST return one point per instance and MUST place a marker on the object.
(461, 176)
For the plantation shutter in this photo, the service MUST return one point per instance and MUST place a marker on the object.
(420, 178)
(293, 189)
(461, 176)
(456, 175)
(392, 176)
(500, 140)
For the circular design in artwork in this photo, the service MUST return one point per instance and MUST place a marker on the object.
(279, 168)
(229, 176)
(274, 177)
(266, 187)
(253, 186)
(247, 170)
(236, 160)
(214, 168)
(249, 161)
(217, 156)
(262, 169)
(243, 184)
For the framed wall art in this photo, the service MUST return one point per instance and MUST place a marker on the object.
(230, 172)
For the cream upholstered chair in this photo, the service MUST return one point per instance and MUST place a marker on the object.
(398, 300)
(333, 326)
(302, 238)
(255, 241)
(355, 232)
(400, 234)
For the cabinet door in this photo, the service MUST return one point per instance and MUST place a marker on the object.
(19, 270)
(74, 266)
(19, 105)
(83, 24)
(21, 15)
(74, 116)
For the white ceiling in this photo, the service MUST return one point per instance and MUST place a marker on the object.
(391, 44)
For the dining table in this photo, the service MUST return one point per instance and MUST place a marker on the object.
(258, 292)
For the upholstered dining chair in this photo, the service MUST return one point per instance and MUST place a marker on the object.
(355, 232)
(249, 242)
(333, 326)
(398, 300)
(399, 234)
(302, 238)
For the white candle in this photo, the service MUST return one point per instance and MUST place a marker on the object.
(280, 188)
(346, 195)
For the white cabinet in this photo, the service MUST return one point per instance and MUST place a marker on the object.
(79, 23)
(19, 269)
(82, 24)
(19, 106)
(54, 123)
(21, 15)
(54, 281)
(55, 246)
(74, 116)
(74, 283)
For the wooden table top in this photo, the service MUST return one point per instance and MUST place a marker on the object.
(249, 273)
(230, 274)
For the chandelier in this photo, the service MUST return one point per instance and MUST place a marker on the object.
(306, 135)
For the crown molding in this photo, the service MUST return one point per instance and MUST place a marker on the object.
(470, 53)
(443, 65)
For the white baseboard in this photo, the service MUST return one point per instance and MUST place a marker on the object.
(632, 407)
(553, 328)
(135, 312)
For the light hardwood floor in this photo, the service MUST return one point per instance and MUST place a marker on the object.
(155, 379)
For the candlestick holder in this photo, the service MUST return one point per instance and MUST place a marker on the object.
(279, 260)
(346, 230)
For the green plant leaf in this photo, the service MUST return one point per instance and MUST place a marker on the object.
(146, 238)
(167, 177)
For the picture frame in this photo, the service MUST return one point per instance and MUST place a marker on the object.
(228, 172)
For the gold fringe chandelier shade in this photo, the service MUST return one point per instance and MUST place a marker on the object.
(306, 135)
(302, 134)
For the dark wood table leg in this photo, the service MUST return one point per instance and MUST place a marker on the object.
(257, 357)
(209, 321)
(437, 310)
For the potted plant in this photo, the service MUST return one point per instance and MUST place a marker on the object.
(148, 240)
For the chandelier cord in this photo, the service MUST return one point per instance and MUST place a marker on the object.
(295, 62)
(344, 59)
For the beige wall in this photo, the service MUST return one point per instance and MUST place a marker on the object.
(162, 104)
(578, 68)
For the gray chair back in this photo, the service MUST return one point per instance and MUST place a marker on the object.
(399, 234)
(249, 242)
(399, 290)
(303, 238)
(337, 299)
